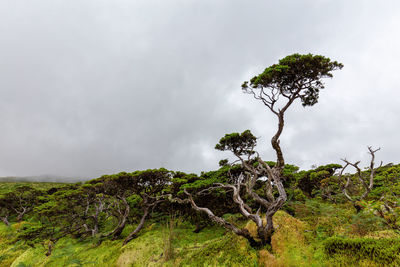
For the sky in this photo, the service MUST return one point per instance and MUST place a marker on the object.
(94, 87)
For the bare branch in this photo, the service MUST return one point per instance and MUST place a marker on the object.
(242, 232)
(366, 183)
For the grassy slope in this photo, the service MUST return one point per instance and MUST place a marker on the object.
(296, 242)
(211, 247)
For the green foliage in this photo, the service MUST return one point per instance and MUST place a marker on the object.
(10, 249)
(326, 219)
(364, 222)
(387, 181)
(238, 144)
(292, 71)
(311, 181)
(33, 232)
(298, 195)
(387, 209)
(223, 162)
(225, 174)
(71, 252)
(169, 237)
(18, 202)
(381, 251)
(218, 198)
(289, 171)
(57, 211)
(384, 200)
(226, 251)
(6, 187)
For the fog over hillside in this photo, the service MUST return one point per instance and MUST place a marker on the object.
(42, 178)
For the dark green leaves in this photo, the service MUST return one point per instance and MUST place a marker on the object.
(295, 76)
(239, 144)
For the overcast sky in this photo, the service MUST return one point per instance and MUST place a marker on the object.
(98, 87)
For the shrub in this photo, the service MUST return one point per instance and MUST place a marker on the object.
(382, 251)
(299, 195)
(363, 223)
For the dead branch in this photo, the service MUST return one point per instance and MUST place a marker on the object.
(367, 182)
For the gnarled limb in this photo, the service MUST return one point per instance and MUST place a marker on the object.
(134, 233)
(294, 77)
(5, 220)
(94, 217)
(241, 232)
(272, 205)
(146, 206)
(366, 182)
(122, 218)
(22, 212)
(53, 240)
(243, 145)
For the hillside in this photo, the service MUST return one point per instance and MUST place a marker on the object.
(295, 243)
(319, 234)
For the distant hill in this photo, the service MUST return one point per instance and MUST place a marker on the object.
(43, 178)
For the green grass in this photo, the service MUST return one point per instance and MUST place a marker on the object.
(71, 252)
(298, 241)
(211, 247)
(9, 249)
(10, 186)
(295, 243)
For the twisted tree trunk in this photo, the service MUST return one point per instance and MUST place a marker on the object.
(21, 213)
(241, 232)
(121, 220)
(5, 220)
(134, 233)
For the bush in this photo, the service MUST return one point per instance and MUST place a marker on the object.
(382, 251)
(299, 195)
(363, 223)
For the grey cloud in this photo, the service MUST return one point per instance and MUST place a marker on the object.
(95, 87)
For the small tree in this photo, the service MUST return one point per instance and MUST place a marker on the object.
(4, 210)
(61, 213)
(19, 202)
(149, 186)
(294, 77)
(314, 181)
(116, 189)
(388, 206)
(365, 180)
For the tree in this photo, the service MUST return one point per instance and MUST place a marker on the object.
(148, 186)
(19, 202)
(294, 77)
(388, 205)
(60, 213)
(314, 181)
(4, 210)
(116, 194)
(96, 209)
(365, 180)
(111, 193)
(115, 188)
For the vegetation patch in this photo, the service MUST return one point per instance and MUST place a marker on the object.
(381, 251)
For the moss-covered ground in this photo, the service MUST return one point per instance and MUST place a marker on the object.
(211, 247)
(319, 234)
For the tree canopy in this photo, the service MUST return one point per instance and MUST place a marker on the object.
(295, 76)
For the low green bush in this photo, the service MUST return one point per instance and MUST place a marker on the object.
(381, 251)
